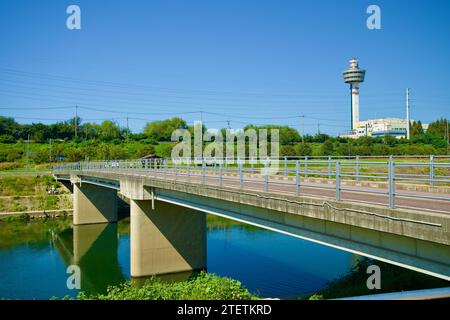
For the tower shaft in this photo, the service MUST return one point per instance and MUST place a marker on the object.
(355, 104)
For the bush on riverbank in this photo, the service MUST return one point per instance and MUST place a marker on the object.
(205, 286)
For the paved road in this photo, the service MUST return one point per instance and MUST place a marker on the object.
(408, 199)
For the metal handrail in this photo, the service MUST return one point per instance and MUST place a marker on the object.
(299, 170)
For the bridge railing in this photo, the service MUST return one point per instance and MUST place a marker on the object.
(387, 177)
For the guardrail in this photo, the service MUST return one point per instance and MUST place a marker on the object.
(291, 174)
(426, 294)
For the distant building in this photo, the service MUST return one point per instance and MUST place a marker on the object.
(380, 128)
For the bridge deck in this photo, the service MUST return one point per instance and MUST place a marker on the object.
(378, 196)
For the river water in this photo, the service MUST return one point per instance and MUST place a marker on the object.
(34, 257)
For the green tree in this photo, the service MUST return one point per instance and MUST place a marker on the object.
(162, 130)
(109, 131)
(303, 149)
(438, 128)
(416, 128)
(327, 148)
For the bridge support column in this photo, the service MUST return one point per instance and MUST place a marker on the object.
(166, 239)
(93, 204)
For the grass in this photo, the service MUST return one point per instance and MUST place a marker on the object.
(27, 185)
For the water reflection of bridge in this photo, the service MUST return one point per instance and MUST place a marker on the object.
(93, 248)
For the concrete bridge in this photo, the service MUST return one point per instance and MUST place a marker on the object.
(169, 202)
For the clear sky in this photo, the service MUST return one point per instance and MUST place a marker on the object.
(247, 61)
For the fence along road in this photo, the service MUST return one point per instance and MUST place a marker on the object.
(421, 183)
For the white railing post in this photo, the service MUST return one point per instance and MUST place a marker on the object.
(220, 174)
(330, 168)
(266, 176)
(391, 184)
(203, 171)
(241, 176)
(297, 177)
(338, 181)
(357, 167)
(431, 171)
(166, 167)
(306, 167)
(189, 167)
(285, 167)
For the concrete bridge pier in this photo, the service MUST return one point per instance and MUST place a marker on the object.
(166, 238)
(93, 204)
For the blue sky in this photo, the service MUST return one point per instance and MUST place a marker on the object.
(251, 61)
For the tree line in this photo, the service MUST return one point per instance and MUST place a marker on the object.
(107, 140)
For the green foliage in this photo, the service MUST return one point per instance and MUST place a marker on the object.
(7, 138)
(107, 141)
(287, 134)
(16, 218)
(26, 185)
(164, 150)
(205, 286)
(439, 128)
(316, 297)
(303, 149)
(162, 130)
(416, 128)
(109, 131)
(327, 148)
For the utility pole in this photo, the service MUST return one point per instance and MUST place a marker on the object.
(408, 129)
(76, 121)
(318, 128)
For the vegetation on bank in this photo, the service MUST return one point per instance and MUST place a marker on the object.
(32, 193)
(204, 286)
(29, 185)
(393, 279)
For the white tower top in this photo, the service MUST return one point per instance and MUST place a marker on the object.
(354, 76)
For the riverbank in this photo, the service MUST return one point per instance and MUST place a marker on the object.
(33, 196)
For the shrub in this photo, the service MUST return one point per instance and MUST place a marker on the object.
(205, 286)
(6, 138)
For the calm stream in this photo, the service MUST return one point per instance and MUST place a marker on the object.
(34, 257)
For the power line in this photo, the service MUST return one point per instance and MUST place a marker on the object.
(147, 87)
